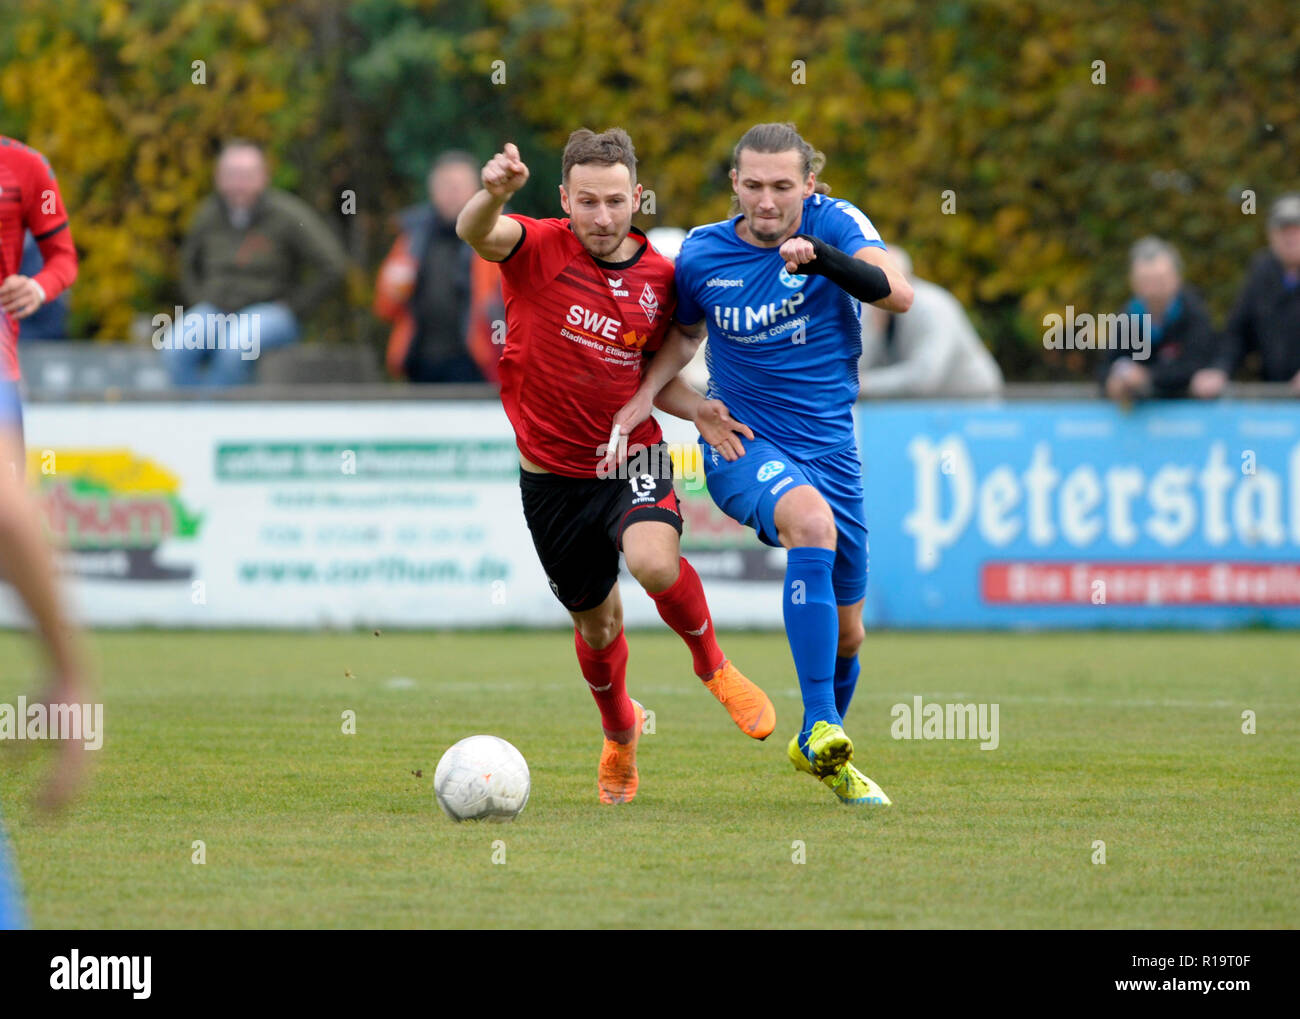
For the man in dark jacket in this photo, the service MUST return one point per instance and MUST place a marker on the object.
(256, 261)
(1179, 336)
(437, 292)
(1266, 317)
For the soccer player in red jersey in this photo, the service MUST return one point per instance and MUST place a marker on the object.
(587, 302)
(30, 200)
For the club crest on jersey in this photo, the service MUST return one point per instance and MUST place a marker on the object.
(793, 282)
(616, 287)
(649, 304)
(770, 470)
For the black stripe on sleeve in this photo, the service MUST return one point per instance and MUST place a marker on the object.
(51, 233)
(523, 232)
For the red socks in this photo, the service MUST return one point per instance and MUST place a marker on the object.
(606, 673)
(684, 608)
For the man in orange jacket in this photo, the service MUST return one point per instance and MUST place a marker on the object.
(444, 301)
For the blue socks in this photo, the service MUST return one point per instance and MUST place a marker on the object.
(812, 628)
(846, 681)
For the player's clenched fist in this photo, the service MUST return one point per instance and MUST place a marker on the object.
(796, 251)
(505, 173)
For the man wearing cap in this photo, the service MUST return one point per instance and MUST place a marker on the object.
(1266, 317)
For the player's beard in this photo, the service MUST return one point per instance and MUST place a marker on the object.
(602, 245)
(767, 230)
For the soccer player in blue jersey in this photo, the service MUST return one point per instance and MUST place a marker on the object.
(778, 290)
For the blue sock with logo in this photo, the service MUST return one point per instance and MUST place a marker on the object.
(846, 681)
(812, 628)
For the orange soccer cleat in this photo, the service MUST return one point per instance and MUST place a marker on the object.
(617, 778)
(749, 707)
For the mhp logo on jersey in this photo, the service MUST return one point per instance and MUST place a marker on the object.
(770, 470)
(793, 282)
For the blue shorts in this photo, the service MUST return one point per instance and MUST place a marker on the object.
(748, 489)
(11, 406)
(11, 907)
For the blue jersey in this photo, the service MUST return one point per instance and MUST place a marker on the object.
(783, 350)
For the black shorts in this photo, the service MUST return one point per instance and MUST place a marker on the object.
(578, 523)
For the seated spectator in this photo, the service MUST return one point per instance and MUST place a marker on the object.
(443, 299)
(256, 262)
(932, 350)
(50, 320)
(1181, 340)
(1266, 317)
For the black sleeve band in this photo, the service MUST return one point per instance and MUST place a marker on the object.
(51, 232)
(855, 277)
(523, 232)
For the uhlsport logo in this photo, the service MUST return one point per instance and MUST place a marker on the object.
(793, 282)
(770, 470)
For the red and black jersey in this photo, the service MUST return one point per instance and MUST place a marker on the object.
(30, 200)
(577, 332)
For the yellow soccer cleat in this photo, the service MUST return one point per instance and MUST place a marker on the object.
(617, 778)
(749, 707)
(852, 787)
(848, 784)
(797, 757)
(828, 748)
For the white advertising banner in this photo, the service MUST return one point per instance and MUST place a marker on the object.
(397, 513)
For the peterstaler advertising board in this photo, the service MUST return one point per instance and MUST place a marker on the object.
(1083, 514)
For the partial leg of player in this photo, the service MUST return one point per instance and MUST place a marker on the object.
(651, 549)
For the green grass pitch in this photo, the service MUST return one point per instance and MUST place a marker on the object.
(236, 739)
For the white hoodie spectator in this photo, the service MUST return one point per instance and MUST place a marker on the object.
(932, 350)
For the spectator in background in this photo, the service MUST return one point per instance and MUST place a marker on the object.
(933, 350)
(50, 320)
(1181, 341)
(1266, 317)
(443, 299)
(255, 251)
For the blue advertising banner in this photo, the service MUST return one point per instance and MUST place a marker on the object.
(1081, 514)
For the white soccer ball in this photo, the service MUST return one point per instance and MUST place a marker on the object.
(482, 778)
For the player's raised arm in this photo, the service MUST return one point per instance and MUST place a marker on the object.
(870, 274)
(480, 224)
